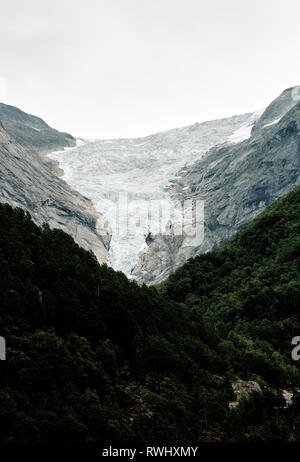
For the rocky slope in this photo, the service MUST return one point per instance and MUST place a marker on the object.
(236, 181)
(27, 180)
(32, 132)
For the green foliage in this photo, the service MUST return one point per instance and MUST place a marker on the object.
(249, 291)
(92, 357)
(81, 339)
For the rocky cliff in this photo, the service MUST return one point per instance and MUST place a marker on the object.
(32, 132)
(27, 180)
(236, 181)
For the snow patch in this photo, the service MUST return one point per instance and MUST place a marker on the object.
(242, 134)
(273, 123)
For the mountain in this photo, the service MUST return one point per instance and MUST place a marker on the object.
(235, 166)
(236, 181)
(31, 132)
(93, 357)
(127, 179)
(28, 179)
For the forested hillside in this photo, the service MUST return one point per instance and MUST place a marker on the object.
(249, 288)
(94, 357)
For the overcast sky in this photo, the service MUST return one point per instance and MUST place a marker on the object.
(114, 68)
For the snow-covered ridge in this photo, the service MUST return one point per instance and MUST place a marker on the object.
(127, 179)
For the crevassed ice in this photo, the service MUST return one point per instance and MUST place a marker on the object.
(127, 180)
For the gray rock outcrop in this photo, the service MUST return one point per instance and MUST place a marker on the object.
(242, 390)
(31, 132)
(27, 180)
(236, 182)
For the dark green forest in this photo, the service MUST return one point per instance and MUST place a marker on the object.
(93, 357)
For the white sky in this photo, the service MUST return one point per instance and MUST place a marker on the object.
(112, 68)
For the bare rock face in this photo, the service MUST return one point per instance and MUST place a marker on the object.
(242, 390)
(236, 181)
(31, 132)
(288, 397)
(27, 180)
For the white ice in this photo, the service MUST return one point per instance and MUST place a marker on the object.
(127, 180)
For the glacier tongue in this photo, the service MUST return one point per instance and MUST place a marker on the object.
(127, 179)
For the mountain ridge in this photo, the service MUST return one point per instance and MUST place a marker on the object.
(28, 179)
(33, 132)
(236, 181)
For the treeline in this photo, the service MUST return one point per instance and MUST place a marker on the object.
(93, 357)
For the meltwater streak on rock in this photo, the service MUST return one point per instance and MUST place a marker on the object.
(142, 169)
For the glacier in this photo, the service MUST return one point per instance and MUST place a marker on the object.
(127, 180)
